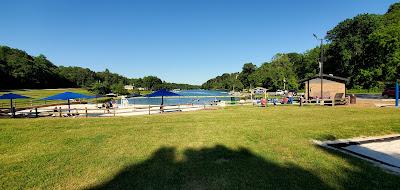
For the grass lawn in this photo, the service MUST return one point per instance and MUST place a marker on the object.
(239, 147)
(364, 91)
(37, 94)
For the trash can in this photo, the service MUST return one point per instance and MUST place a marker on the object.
(233, 101)
(353, 99)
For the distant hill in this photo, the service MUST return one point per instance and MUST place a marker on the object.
(21, 70)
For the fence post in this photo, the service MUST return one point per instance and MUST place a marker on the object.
(114, 111)
(301, 100)
(149, 109)
(36, 113)
(60, 111)
(86, 112)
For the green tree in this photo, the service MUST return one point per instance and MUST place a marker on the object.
(20, 70)
(152, 83)
(347, 55)
(306, 64)
(82, 77)
(100, 88)
(273, 75)
(247, 70)
(137, 83)
(226, 81)
(119, 89)
(384, 49)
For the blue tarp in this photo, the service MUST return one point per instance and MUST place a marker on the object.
(11, 96)
(67, 96)
(162, 92)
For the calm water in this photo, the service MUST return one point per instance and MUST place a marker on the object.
(197, 97)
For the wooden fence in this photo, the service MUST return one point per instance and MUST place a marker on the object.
(93, 112)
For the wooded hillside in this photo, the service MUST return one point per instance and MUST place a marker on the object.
(365, 49)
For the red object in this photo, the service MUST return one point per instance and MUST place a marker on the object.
(285, 100)
(263, 102)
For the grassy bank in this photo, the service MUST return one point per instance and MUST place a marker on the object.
(237, 147)
(364, 91)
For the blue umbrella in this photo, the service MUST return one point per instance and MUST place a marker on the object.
(11, 96)
(67, 96)
(162, 93)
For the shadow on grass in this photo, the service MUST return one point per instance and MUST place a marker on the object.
(211, 168)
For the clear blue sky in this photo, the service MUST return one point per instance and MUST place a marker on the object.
(184, 41)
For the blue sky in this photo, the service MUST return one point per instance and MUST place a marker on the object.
(183, 41)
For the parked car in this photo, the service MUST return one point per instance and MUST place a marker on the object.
(389, 92)
(279, 93)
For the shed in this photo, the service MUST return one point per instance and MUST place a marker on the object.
(331, 86)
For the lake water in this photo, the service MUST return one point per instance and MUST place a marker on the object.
(196, 97)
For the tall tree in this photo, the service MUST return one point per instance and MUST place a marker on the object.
(247, 70)
(348, 41)
(273, 75)
(152, 83)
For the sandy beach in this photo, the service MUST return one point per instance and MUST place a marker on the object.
(95, 110)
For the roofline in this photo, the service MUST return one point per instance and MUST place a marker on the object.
(326, 76)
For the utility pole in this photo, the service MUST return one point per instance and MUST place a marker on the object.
(234, 83)
(321, 64)
(284, 84)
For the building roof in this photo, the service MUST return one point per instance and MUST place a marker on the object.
(329, 77)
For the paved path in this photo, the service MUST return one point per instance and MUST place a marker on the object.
(388, 152)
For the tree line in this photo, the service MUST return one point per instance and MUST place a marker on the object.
(19, 70)
(365, 49)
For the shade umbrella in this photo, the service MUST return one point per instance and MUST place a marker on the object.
(162, 93)
(11, 96)
(67, 96)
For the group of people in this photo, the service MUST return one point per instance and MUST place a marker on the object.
(289, 99)
(108, 105)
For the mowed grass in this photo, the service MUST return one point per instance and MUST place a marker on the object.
(239, 147)
(36, 95)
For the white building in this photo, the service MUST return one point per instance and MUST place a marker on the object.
(128, 87)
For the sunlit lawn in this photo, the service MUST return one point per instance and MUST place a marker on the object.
(36, 95)
(231, 148)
